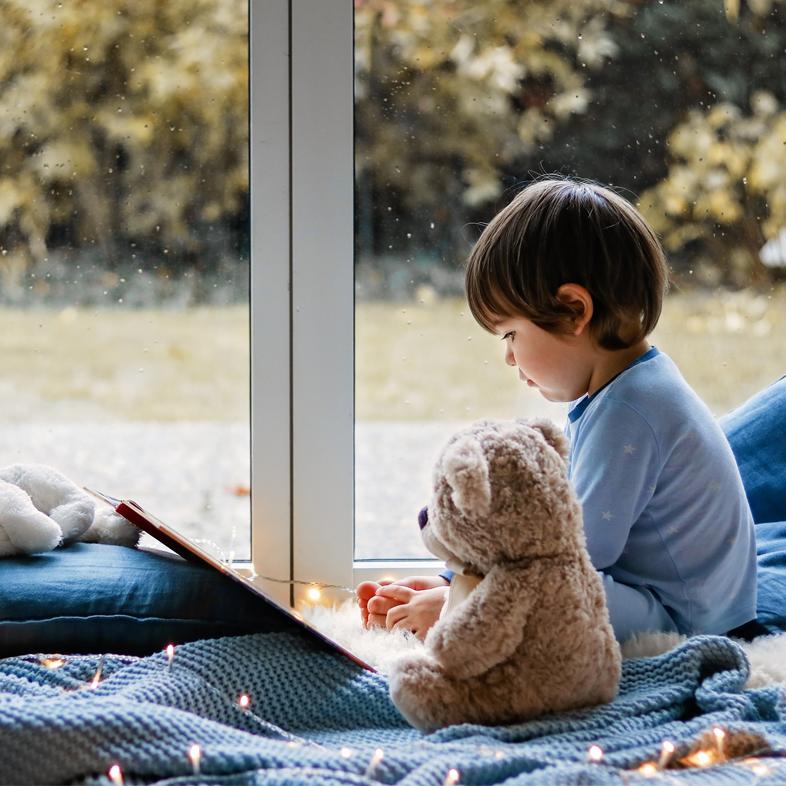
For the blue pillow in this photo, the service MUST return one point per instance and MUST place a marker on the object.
(771, 579)
(757, 434)
(90, 598)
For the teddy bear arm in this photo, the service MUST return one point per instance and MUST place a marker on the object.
(489, 626)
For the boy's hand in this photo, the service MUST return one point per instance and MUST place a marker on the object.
(365, 591)
(413, 610)
(375, 603)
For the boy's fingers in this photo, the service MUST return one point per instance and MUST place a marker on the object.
(380, 605)
(396, 592)
(365, 590)
(396, 615)
(376, 621)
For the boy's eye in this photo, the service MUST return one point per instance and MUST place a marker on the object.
(507, 335)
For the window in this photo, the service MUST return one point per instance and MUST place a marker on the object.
(457, 104)
(124, 242)
(126, 230)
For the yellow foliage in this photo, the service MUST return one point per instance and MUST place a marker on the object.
(121, 117)
(488, 81)
(727, 169)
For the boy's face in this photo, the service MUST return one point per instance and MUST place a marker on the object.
(559, 366)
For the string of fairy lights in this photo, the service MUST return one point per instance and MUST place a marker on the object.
(715, 747)
(315, 588)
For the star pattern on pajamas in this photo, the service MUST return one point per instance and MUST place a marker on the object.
(629, 449)
(607, 515)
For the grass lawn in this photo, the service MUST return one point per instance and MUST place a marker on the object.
(75, 364)
(414, 361)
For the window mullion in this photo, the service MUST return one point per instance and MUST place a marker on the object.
(271, 540)
(322, 290)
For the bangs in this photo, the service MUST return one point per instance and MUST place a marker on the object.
(486, 300)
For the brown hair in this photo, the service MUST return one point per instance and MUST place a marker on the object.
(559, 231)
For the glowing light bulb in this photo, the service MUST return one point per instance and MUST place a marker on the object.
(347, 752)
(375, 760)
(244, 701)
(97, 676)
(116, 775)
(195, 755)
(313, 593)
(720, 736)
(666, 751)
(648, 769)
(595, 754)
(702, 759)
(170, 655)
(52, 663)
(452, 778)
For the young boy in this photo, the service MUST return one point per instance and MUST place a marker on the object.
(572, 278)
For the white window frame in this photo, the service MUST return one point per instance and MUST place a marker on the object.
(302, 299)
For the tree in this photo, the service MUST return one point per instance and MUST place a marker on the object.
(461, 87)
(724, 194)
(458, 101)
(123, 125)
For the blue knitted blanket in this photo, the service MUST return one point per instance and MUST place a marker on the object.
(316, 718)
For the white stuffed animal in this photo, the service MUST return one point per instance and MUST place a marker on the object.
(40, 509)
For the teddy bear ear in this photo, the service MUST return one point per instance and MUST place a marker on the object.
(466, 470)
(552, 433)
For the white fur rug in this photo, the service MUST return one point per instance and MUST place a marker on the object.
(767, 654)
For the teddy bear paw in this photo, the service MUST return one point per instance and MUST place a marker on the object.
(419, 690)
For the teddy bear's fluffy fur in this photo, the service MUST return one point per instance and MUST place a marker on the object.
(41, 509)
(533, 636)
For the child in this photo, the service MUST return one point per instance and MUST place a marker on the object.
(572, 278)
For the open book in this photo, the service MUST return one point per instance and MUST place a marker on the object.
(138, 516)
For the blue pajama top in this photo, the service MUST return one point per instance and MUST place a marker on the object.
(663, 502)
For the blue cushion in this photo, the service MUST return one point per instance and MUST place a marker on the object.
(757, 434)
(771, 580)
(97, 598)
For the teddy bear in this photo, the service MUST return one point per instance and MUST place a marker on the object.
(41, 509)
(525, 630)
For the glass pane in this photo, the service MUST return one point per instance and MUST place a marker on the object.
(680, 106)
(124, 253)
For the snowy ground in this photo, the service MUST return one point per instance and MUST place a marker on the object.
(193, 475)
(187, 474)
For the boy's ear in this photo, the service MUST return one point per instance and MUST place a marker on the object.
(579, 300)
